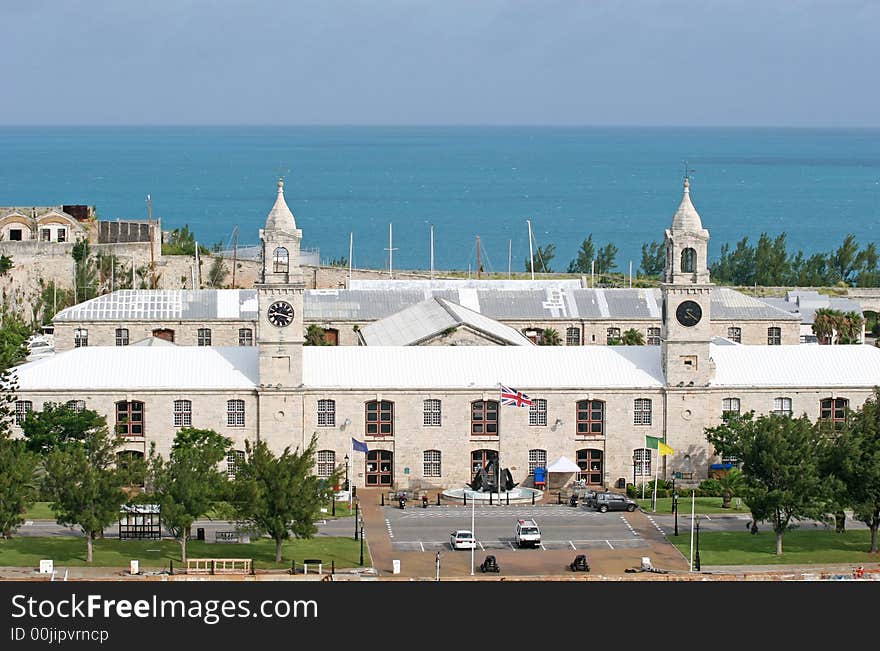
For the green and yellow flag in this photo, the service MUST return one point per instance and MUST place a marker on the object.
(665, 449)
(655, 443)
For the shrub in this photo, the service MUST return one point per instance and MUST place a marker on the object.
(710, 488)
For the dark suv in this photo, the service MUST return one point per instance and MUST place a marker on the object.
(614, 502)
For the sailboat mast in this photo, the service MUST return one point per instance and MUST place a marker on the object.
(531, 255)
(479, 262)
(234, 254)
(152, 252)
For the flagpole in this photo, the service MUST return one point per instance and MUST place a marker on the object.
(350, 474)
(654, 496)
(474, 533)
(691, 564)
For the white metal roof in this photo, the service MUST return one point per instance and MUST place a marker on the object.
(142, 367)
(156, 304)
(481, 367)
(796, 366)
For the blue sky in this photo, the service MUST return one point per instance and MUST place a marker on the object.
(548, 62)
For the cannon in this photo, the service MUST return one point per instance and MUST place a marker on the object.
(489, 565)
(579, 564)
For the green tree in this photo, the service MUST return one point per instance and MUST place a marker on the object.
(543, 256)
(845, 261)
(550, 337)
(86, 275)
(781, 459)
(186, 485)
(280, 495)
(13, 340)
(58, 427)
(606, 259)
(315, 336)
(653, 258)
(84, 486)
(586, 254)
(17, 465)
(5, 264)
(632, 337)
(182, 241)
(217, 272)
(856, 463)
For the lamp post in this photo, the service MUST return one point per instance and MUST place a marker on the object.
(346, 471)
(362, 545)
(675, 506)
(697, 547)
(356, 520)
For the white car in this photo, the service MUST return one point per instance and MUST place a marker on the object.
(462, 539)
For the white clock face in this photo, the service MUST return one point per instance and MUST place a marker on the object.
(280, 314)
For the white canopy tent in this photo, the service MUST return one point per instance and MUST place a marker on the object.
(562, 466)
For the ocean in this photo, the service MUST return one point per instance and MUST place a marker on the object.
(620, 184)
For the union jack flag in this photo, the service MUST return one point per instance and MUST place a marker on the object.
(513, 397)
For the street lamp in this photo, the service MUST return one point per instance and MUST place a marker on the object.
(697, 547)
(362, 545)
(675, 506)
(346, 471)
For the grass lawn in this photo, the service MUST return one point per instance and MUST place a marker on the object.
(708, 505)
(40, 511)
(26, 551)
(805, 546)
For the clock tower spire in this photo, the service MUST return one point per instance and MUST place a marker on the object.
(280, 295)
(687, 300)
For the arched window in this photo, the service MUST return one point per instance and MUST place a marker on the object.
(688, 261)
(129, 418)
(484, 418)
(431, 463)
(380, 418)
(590, 417)
(590, 462)
(537, 459)
(280, 260)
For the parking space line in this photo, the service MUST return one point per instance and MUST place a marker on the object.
(572, 545)
(707, 517)
(609, 544)
(481, 546)
(421, 545)
(511, 545)
(541, 545)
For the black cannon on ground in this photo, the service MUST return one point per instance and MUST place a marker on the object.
(489, 565)
(579, 564)
(573, 500)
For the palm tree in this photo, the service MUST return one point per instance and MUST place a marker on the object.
(731, 484)
(633, 337)
(550, 337)
(823, 324)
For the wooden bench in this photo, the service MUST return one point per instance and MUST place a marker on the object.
(219, 566)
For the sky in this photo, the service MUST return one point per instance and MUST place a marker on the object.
(798, 63)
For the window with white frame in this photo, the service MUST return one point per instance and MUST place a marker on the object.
(326, 463)
(245, 337)
(431, 417)
(234, 460)
(122, 336)
(22, 409)
(76, 406)
(538, 412)
(642, 462)
(80, 337)
(326, 413)
(653, 336)
(182, 413)
(537, 459)
(782, 406)
(774, 336)
(204, 337)
(612, 335)
(735, 334)
(235, 413)
(729, 407)
(572, 336)
(432, 463)
(642, 411)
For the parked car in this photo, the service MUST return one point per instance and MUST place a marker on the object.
(527, 533)
(462, 539)
(614, 502)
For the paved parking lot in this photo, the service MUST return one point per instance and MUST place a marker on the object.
(562, 528)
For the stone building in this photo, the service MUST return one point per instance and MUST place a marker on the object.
(431, 415)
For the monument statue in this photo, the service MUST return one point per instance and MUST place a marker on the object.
(486, 479)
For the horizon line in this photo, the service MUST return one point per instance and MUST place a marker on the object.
(438, 125)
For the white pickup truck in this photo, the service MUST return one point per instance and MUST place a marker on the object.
(527, 533)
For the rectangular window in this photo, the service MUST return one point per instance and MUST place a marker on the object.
(204, 337)
(590, 417)
(537, 459)
(80, 337)
(642, 462)
(130, 418)
(782, 406)
(76, 406)
(833, 410)
(380, 418)
(22, 409)
(729, 407)
(538, 412)
(735, 334)
(612, 335)
(774, 336)
(122, 336)
(234, 460)
(431, 417)
(572, 336)
(46, 234)
(653, 336)
(432, 463)
(182, 413)
(62, 234)
(326, 463)
(235, 413)
(245, 337)
(484, 418)
(642, 411)
(326, 413)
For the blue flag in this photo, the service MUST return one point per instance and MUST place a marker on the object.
(358, 446)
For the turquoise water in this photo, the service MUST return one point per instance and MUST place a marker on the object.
(621, 184)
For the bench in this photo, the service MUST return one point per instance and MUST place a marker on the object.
(218, 566)
(313, 562)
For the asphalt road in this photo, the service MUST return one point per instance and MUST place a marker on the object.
(562, 527)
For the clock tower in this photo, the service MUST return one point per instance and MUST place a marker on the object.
(280, 331)
(687, 301)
